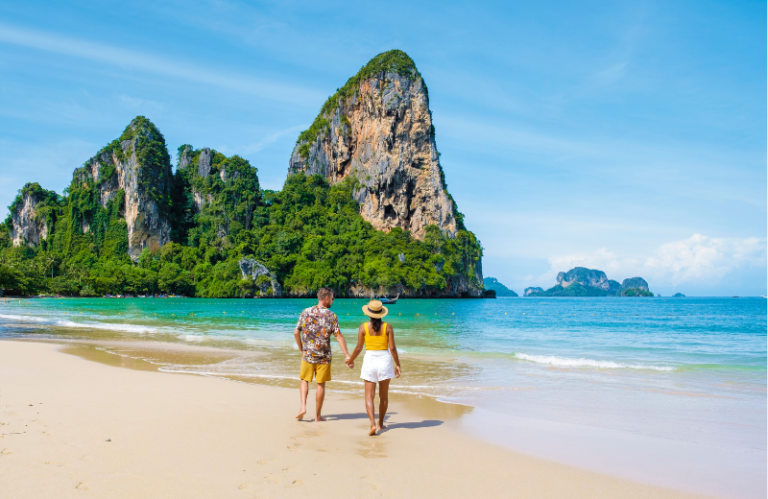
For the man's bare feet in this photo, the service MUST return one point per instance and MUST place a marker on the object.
(301, 414)
(372, 432)
(319, 419)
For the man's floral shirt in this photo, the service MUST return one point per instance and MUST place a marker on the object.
(316, 325)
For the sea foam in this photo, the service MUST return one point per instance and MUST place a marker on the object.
(130, 328)
(587, 363)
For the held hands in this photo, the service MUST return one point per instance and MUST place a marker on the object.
(349, 362)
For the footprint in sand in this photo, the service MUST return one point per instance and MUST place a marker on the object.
(243, 486)
(55, 463)
(82, 486)
(297, 483)
(371, 482)
(6, 452)
(372, 451)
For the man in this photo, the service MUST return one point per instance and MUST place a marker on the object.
(313, 336)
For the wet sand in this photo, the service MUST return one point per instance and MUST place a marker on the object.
(74, 428)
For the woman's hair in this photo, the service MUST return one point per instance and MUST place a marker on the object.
(375, 324)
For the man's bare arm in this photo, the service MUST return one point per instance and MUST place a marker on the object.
(297, 335)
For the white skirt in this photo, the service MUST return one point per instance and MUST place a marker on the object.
(377, 366)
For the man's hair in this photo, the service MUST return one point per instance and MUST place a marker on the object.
(324, 293)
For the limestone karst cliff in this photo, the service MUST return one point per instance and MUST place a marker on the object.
(634, 282)
(31, 215)
(581, 281)
(134, 172)
(378, 128)
(215, 191)
(589, 278)
(491, 283)
(380, 223)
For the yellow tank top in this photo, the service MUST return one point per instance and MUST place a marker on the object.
(379, 342)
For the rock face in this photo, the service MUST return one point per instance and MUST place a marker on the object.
(635, 282)
(265, 281)
(378, 128)
(202, 168)
(491, 283)
(588, 278)
(137, 166)
(581, 281)
(29, 226)
(214, 190)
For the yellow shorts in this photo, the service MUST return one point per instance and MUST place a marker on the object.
(322, 372)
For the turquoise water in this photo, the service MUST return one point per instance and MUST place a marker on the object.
(676, 335)
(673, 371)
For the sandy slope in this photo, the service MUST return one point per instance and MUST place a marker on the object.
(74, 428)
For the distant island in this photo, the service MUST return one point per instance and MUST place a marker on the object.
(581, 281)
(491, 283)
(365, 210)
(678, 295)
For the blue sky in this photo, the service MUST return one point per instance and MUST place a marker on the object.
(624, 136)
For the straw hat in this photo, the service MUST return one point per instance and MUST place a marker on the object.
(375, 309)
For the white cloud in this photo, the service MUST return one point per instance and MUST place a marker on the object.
(137, 102)
(610, 75)
(130, 59)
(270, 139)
(703, 258)
(691, 169)
(697, 260)
(50, 165)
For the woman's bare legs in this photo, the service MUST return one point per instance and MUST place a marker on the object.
(370, 394)
(383, 402)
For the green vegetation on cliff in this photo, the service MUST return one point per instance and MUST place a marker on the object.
(494, 284)
(575, 289)
(309, 234)
(228, 194)
(393, 61)
(636, 292)
(581, 281)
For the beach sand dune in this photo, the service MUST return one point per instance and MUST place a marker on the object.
(74, 428)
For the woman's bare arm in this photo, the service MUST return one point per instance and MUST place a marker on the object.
(393, 350)
(360, 343)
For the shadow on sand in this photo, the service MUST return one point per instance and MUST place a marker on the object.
(427, 423)
(355, 415)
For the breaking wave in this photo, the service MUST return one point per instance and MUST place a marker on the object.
(554, 361)
(45, 321)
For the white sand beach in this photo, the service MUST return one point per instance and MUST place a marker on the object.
(70, 427)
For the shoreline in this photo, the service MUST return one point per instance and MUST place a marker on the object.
(199, 436)
(342, 297)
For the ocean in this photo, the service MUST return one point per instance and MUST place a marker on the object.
(666, 390)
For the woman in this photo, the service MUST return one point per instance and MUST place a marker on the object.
(380, 352)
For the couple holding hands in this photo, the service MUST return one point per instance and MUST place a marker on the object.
(313, 336)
